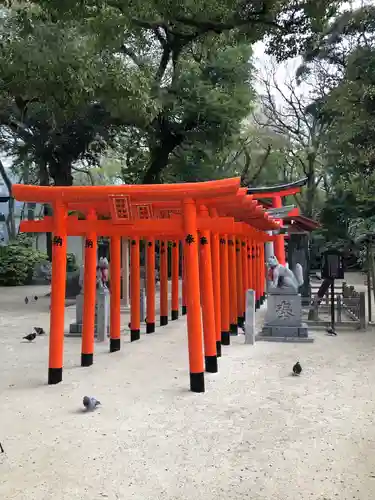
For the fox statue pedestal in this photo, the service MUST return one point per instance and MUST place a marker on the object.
(283, 320)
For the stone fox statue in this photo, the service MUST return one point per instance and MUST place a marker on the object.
(282, 278)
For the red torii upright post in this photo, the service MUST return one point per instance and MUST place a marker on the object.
(175, 279)
(56, 340)
(87, 350)
(150, 284)
(215, 251)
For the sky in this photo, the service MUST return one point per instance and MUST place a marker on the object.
(287, 70)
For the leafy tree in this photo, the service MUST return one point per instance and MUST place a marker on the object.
(343, 64)
(345, 58)
(214, 92)
(165, 43)
(59, 97)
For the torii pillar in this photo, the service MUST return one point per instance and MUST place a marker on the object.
(279, 243)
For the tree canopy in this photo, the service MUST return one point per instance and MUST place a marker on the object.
(343, 63)
(57, 94)
(168, 82)
(164, 91)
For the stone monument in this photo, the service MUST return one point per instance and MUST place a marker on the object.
(101, 306)
(250, 317)
(283, 321)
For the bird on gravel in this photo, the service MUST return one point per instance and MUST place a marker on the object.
(331, 331)
(26, 300)
(90, 403)
(39, 330)
(297, 369)
(30, 337)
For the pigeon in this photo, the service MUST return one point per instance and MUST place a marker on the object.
(39, 330)
(297, 369)
(30, 337)
(26, 300)
(331, 331)
(90, 403)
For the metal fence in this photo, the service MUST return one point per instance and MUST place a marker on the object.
(349, 308)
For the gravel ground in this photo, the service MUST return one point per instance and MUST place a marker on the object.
(256, 433)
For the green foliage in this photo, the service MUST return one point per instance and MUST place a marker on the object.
(343, 65)
(80, 75)
(351, 107)
(211, 96)
(60, 97)
(17, 262)
(290, 26)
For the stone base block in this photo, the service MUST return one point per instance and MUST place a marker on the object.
(300, 340)
(297, 333)
(75, 330)
(285, 331)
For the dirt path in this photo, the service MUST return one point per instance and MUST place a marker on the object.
(256, 433)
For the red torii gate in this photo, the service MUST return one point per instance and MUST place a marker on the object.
(276, 193)
(222, 228)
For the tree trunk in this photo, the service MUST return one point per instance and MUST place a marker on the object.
(47, 211)
(310, 196)
(10, 222)
(61, 174)
(159, 158)
(310, 186)
(159, 155)
(44, 181)
(30, 207)
(5, 178)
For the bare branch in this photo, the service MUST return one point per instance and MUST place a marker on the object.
(86, 172)
(133, 56)
(161, 37)
(6, 178)
(246, 167)
(219, 27)
(299, 159)
(261, 164)
(10, 222)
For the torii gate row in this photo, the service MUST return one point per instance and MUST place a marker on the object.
(276, 193)
(223, 233)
